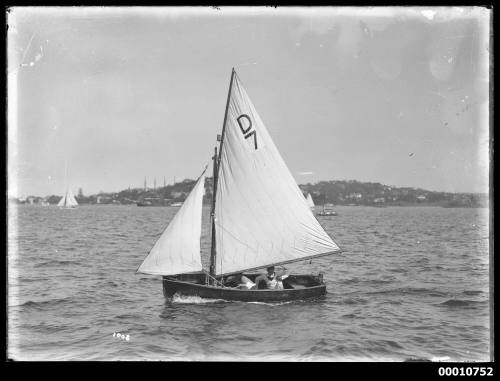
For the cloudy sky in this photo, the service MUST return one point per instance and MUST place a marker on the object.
(100, 98)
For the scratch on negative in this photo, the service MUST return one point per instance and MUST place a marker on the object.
(27, 48)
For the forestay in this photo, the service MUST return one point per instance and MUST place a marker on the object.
(177, 250)
(262, 217)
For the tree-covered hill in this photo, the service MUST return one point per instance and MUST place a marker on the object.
(337, 192)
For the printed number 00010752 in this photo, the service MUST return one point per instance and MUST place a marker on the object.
(465, 371)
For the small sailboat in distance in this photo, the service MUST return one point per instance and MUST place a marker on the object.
(259, 218)
(68, 201)
(310, 201)
(327, 211)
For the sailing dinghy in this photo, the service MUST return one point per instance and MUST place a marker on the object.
(68, 201)
(259, 218)
(327, 212)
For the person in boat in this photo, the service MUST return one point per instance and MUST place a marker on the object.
(270, 280)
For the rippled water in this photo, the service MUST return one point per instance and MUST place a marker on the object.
(413, 283)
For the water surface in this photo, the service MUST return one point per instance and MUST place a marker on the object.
(412, 283)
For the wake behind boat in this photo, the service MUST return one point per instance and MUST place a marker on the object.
(259, 218)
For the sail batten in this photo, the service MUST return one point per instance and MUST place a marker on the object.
(177, 251)
(262, 217)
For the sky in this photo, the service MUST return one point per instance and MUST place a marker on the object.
(101, 98)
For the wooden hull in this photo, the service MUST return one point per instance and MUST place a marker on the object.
(296, 287)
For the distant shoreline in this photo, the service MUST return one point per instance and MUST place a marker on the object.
(334, 192)
(317, 208)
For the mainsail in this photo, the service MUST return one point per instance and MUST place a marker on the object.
(177, 250)
(310, 201)
(261, 215)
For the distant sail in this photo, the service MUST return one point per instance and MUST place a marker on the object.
(261, 215)
(68, 200)
(62, 201)
(177, 250)
(310, 201)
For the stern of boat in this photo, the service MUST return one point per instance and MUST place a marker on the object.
(181, 284)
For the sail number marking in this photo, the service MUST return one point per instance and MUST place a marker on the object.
(247, 131)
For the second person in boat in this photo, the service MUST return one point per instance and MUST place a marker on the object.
(270, 280)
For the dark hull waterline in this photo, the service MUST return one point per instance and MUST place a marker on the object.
(296, 287)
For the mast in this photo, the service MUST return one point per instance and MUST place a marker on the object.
(212, 214)
(213, 254)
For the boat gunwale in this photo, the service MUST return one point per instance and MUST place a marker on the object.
(165, 278)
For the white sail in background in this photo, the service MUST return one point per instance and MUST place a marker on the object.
(310, 201)
(177, 250)
(262, 217)
(62, 201)
(68, 200)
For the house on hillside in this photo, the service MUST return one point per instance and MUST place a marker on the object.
(103, 200)
(357, 196)
(177, 195)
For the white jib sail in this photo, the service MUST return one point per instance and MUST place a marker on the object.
(310, 201)
(177, 251)
(262, 217)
